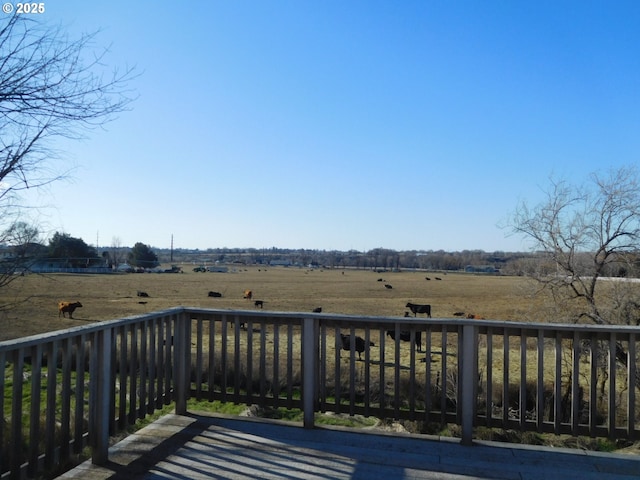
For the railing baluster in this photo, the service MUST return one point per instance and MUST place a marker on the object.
(36, 398)
(523, 379)
(50, 408)
(489, 367)
(367, 372)
(276, 363)
(428, 390)
(575, 379)
(612, 385)
(505, 376)
(443, 379)
(3, 364)
(631, 385)
(212, 359)
(290, 365)
(540, 380)
(557, 394)
(593, 387)
(382, 395)
(80, 386)
(263, 362)
(144, 369)
(65, 399)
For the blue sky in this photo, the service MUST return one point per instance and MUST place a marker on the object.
(345, 125)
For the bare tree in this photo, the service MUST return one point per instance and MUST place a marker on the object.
(116, 252)
(23, 248)
(586, 232)
(50, 87)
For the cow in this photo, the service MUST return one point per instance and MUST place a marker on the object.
(67, 307)
(140, 293)
(214, 294)
(248, 294)
(258, 303)
(474, 316)
(416, 308)
(317, 310)
(405, 336)
(386, 285)
(360, 344)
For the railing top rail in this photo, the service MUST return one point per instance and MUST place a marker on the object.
(417, 320)
(84, 329)
(346, 318)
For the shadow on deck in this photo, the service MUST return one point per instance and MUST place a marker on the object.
(200, 446)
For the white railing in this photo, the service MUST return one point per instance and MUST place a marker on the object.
(66, 390)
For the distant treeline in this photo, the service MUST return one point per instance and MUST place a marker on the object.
(379, 258)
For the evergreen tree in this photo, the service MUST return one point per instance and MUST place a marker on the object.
(142, 256)
(74, 250)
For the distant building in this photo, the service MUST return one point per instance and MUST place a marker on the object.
(217, 269)
(481, 269)
(280, 263)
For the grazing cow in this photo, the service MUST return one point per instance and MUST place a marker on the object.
(438, 278)
(386, 285)
(258, 303)
(142, 294)
(317, 310)
(405, 336)
(214, 294)
(458, 314)
(360, 344)
(248, 294)
(428, 278)
(67, 307)
(475, 317)
(416, 308)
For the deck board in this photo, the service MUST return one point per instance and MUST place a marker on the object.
(202, 446)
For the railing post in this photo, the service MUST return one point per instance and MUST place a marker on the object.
(101, 395)
(182, 361)
(309, 370)
(469, 359)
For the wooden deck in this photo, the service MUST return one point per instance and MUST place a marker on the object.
(203, 446)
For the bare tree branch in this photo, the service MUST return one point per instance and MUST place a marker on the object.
(51, 86)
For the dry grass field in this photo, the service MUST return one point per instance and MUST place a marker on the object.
(34, 298)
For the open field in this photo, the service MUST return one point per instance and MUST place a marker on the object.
(110, 296)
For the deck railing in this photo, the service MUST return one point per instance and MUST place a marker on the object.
(68, 390)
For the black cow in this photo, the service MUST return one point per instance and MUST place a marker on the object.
(386, 285)
(317, 310)
(214, 294)
(405, 336)
(416, 308)
(142, 294)
(360, 344)
(258, 303)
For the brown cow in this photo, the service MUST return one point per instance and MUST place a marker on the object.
(67, 307)
(248, 294)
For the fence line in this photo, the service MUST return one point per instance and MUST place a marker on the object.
(66, 390)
